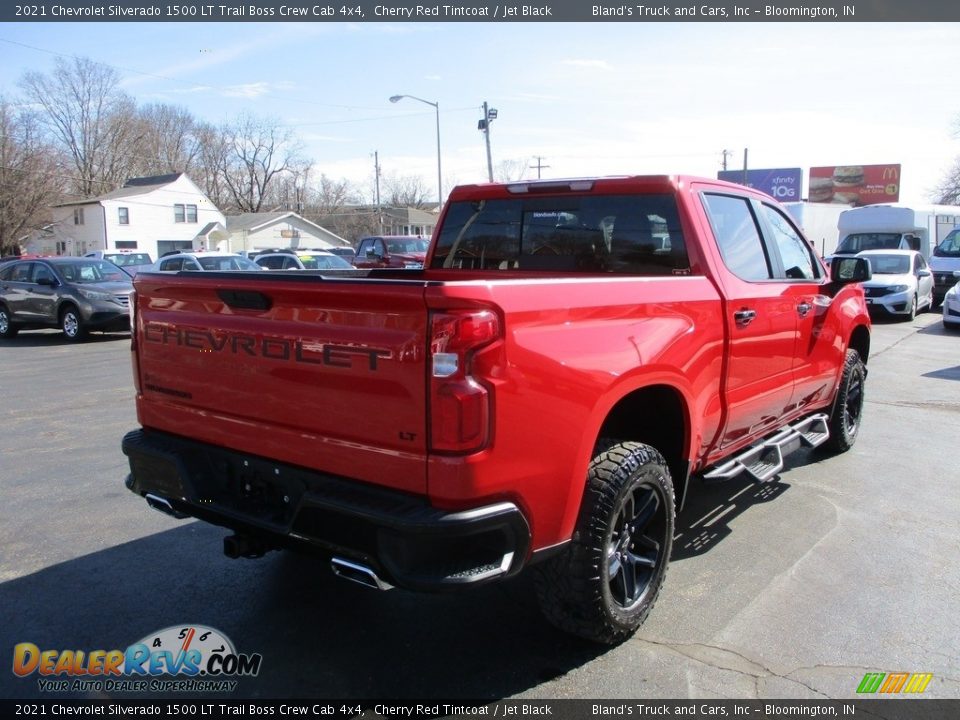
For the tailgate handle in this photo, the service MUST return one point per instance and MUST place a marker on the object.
(245, 299)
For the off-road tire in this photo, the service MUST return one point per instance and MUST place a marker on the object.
(604, 584)
(7, 328)
(847, 414)
(71, 323)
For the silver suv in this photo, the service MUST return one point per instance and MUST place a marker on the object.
(75, 294)
(202, 261)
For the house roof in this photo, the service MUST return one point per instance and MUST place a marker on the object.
(133, 186)
(254, 221)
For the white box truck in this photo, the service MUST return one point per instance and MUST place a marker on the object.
(895, 226)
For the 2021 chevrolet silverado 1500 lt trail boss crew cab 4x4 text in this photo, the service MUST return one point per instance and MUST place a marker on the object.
(538, 395)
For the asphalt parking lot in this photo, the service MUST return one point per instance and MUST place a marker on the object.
(792, 589)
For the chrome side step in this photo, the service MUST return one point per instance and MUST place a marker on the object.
(764, 460)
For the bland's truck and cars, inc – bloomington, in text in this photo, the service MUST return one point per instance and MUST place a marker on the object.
(541, 394)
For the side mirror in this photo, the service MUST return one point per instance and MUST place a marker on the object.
(923, 273)
(372, 255)
(846, 270)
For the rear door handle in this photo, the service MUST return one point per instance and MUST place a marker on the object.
(744, 317)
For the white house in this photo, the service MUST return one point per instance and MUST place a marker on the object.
(262, 231)
(149, 214)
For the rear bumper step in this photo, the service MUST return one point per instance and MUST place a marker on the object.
(764, 460)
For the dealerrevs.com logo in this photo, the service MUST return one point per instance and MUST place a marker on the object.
(187, 658)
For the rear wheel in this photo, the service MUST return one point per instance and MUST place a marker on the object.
(848, 406)
(7, 328)
(604, 584)
(72, 323)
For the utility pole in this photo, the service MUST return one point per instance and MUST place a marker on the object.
(376, 181)
(745, 166)
(725, 154)
(539, 166)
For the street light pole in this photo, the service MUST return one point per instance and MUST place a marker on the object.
(436, 107)
(489, 115)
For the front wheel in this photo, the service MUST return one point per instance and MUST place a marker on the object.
(604, 584)
(848, 405)
(913, 309)
(72, 324)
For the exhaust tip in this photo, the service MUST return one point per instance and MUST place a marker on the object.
(357, 573)
(163, 505)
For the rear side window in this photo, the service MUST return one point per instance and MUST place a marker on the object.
(630, 234)
(174, 264)
(738, 236)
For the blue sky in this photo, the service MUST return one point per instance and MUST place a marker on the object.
(590, 98)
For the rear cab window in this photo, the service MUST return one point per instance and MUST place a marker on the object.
(631, 234)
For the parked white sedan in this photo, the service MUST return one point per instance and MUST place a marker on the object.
(902, 282)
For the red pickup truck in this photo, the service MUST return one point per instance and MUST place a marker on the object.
(539, 395)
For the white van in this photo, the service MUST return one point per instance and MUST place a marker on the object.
(945, 265)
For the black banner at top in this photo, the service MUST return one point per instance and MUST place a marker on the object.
(364, 11)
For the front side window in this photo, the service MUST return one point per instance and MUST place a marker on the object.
(123, 216)
(738, 236)
(630, 234)
(271, 263)
(794, 251)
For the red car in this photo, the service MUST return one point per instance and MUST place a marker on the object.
(391, 251)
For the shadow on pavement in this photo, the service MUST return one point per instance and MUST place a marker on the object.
(320, 637)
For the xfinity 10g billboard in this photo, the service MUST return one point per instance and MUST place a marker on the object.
(783, 184)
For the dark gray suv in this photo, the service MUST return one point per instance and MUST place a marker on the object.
(75, 294)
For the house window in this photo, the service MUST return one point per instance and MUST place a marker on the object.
(78, 216)
(123, 215)
(185, 213)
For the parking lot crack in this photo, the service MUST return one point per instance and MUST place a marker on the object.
(722, 658)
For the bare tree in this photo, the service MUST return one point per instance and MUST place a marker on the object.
(207, 170)
(404, 191)
(89, 117)
(165, 140)
(510, 170)
(29, 176)
(947, 192)
(258, 151)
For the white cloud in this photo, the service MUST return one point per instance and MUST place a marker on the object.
(589, 64)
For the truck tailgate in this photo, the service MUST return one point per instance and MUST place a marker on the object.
(327, 374)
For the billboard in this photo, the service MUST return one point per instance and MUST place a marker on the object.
(780, 183)
(855, 184)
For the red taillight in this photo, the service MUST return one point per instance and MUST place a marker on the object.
(460, 416)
